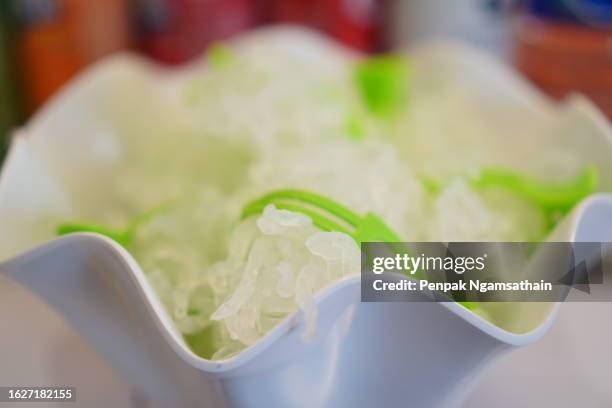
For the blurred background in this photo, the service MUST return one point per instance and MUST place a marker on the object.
(561, 45)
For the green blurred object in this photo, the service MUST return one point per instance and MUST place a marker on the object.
(355, 128)
(220, 55)
(8, 100)
(383, 83)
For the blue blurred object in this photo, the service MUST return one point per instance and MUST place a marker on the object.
(596, 13)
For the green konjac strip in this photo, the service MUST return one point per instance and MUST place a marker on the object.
(368, 228)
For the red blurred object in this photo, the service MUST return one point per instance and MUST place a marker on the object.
(175, 31)
(357, 23)
(564, 57)
(57, 38)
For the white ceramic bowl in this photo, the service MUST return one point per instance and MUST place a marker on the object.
(384, 354)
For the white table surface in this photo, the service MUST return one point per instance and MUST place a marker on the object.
(569, 367)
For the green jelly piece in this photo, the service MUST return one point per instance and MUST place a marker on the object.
(373, 229)
(123, 237)
(219, 55)
(326, 214)
(551, 197)
(383, 83)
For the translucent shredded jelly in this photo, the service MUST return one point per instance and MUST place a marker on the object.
(265, 117)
